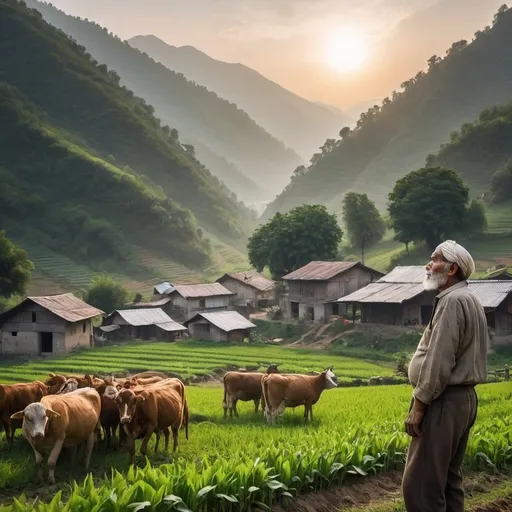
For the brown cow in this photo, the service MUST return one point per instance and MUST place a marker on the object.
(56, 383)
(15, 397)
(109, 416)
(244, 386)
(155, 408)
(292, 390)
(60, 421)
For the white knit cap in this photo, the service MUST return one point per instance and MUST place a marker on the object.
(455, 253)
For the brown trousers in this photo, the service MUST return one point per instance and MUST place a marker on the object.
(432, 480)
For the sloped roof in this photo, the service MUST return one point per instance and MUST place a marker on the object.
(201, 290)
(405, 274)
(153, 304)
(163, 288)
(66, 306)
(225, 320)
(394, 293)
(251, 278)
(323, 270)
(148, 316)
(490, 293)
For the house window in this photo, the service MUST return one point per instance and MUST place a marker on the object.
(202, 303)
(33, 317)
(14, 333)
(84, 328)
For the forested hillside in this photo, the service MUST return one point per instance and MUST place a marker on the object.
(392, 139)
(480, 151)
(299, 123)
(193, 110)
(85, 165)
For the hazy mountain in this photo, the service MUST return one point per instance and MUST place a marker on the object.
(391, 140)
(85, 167)
(301, 124)
(196, 112)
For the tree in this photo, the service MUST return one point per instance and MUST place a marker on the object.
(105, 294)
(430, 204)
(345, 132)
(15, 268)
(476, 219)
(365, 226)
(501, 184)
(291, 240)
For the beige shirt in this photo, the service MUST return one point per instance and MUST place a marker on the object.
(453, 348)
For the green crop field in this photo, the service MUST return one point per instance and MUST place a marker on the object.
(235, 463)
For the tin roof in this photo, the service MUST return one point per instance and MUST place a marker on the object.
(65, 306)
(171, 326)
(490, 293)
(163, 288)
(201, 290)
(323, 270)
(146, 316)
(109, 328)
(153, 304)
(385, 292)
(251, 278)
(405, 274)
(225, 320)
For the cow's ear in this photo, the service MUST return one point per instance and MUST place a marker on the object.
(52, 414)
(119, 387)
(140, 398)
(18, 415)
(52, 375)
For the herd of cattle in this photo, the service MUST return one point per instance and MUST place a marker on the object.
(68, 411)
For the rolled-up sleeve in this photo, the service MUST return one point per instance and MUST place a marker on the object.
(440, 357)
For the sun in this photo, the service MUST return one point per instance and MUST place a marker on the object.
(346, 50)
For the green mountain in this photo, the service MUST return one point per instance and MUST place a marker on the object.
(480, 150)
(299, 123)
(197, 113)
(86, 168)
(392, 139)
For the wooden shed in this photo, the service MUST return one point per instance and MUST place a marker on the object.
(219, 326)
(250, 288)
(53, 324)
(313, 290)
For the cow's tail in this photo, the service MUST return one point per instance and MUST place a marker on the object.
(225, 400)
(184, 410)
(264, 394)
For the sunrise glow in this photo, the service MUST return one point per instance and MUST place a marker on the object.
(346, 50)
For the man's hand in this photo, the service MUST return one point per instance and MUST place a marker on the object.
(412, 423)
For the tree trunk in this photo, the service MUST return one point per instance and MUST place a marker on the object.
(362, 253)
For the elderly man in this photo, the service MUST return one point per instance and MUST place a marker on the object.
(450, 360)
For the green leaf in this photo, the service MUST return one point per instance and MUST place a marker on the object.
(139, 506)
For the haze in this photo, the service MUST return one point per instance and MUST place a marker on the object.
(302, 44)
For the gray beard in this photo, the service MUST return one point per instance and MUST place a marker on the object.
(435, 281)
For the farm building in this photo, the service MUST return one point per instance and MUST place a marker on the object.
(496, 298)
(398, 298)
(219, 326)
(165, 304)
(251, 289)
(161, 289)
(189, 299)
(313, 290)
(145, 324)
(53, 324)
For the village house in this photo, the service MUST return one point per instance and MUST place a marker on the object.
(398, 298)
(53, 324)
(189, 299)
(161, 289)
(251, 288)
(165, 304)
(219, 326)
(145, 324)
(313, 290)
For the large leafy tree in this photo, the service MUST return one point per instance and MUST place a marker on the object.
(106, 294)
(365, 227)
(429, 205)
(15, 268)
(291, 240)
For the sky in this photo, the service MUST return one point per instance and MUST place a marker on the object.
(338, 52)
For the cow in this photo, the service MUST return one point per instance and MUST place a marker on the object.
(15, 397)
(109, 416)
(69, 385)
(154, 408)
(56, 383)
(59, 421)
(243, 386)
(292, 390)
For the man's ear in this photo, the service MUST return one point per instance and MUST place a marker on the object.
(18, 415)
(454, 268)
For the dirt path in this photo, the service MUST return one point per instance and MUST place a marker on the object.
(484, 493)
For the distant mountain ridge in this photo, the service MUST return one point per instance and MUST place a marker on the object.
(395, 138)
(193, 110)
(301, 124)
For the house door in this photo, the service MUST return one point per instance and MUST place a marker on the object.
(295, 309)
(46, 342)
(311, 313)
(426, 313)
